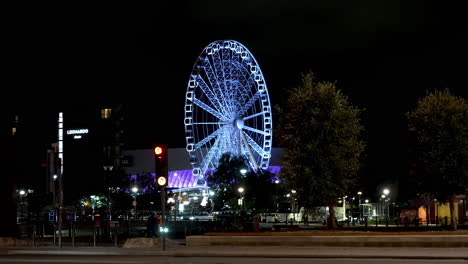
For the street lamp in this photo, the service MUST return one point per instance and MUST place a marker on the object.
(241, 191)
(359, 205)
(386, 191)
(22, 194)
(134, 191)
(243, 171)
(384, 196)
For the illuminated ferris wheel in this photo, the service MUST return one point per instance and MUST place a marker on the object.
(227, 109)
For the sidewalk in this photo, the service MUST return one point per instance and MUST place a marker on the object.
(261, 252)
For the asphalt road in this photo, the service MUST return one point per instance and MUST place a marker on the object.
(206, 260)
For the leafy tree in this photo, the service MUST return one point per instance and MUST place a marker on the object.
(225, 180)
(321, 132)
(439, 135)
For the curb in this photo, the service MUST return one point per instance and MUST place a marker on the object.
(246, 255)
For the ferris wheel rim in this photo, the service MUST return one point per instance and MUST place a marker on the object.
(220, 111)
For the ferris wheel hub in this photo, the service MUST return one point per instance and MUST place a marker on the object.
(239, 123)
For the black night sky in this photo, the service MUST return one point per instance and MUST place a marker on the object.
(382, 54)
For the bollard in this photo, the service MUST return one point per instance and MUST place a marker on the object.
(94, 234)
(73, 228)
(365, 222)
(55, 236)
(446, 221)
(34, 235)
(115, 237)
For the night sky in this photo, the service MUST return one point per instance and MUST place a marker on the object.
(382, 54)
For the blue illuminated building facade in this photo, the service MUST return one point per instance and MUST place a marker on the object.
(180, 170)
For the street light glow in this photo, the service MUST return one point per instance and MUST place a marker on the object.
(386, 191)
(359, 193)
(241, 190)
(243, 171)
(22, 192)
(135, 189)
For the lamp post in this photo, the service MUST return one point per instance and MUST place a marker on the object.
(134, 203)
(22, 194)
(276, 195)
(359, 204)
(385, 197)
(108, 171)
(241, 192)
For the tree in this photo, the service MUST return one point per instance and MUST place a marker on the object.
(439, 136)
(226, 179)
(321, 132)
(259, 187)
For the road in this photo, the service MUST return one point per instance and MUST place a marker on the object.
(207, 260)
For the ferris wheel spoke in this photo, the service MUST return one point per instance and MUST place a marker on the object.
(210, 123)
(208, 92)
(213, 79)
(252, 116)
(248, 144)
(208, 138)
(254, 130)
(208, 109)
(249, 103)
(209, 156)
(252, 143)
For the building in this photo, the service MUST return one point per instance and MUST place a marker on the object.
(180, 170)
(89, 146)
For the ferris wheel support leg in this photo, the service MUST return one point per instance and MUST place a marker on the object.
(252, 157)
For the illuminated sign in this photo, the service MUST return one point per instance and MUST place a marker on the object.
(162, 181)
(77, 133)
(80, 131)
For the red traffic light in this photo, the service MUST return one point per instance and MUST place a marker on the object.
(158, 150)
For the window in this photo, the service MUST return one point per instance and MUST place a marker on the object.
(106, 113)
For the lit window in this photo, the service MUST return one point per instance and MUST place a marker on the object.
(106, 113)
(13, 131)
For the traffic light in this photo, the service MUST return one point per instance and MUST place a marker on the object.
(160, 157)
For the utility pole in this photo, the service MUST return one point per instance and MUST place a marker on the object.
(163, 222)
(60, 209)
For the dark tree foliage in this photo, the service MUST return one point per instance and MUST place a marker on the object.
(225, 180)
(438, 130)
(321, 132)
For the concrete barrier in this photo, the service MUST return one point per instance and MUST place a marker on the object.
(12, 241)
(335, 241)
(144, 242)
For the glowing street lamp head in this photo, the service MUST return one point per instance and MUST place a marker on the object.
(22, 192)
(135, 189)
(243, 171)
(386, 191)
(359, 193)
(241, 190)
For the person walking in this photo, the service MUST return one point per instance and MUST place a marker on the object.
(151, 224)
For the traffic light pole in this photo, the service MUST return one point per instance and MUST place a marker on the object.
(163, 222)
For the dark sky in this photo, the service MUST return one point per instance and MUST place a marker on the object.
(382, 54)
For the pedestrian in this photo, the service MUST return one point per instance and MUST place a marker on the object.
(306, 219)
(151, 226)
